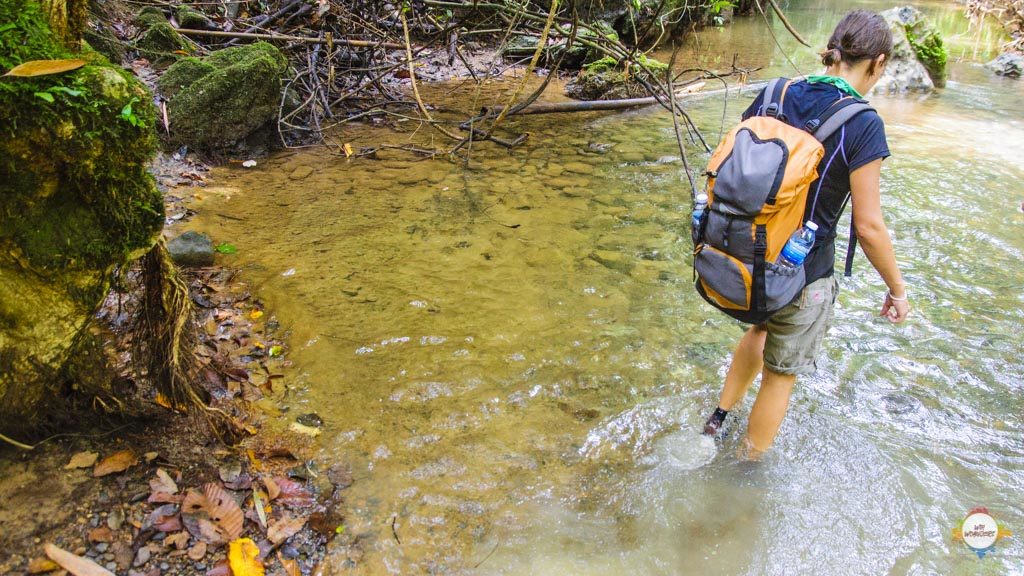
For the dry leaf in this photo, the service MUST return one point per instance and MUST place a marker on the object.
(116, 462)
(45, 67)
(198, 551)
(165, 519)
(82, 460)
(163, 483)
(291, 567)
(284, 528)
(41, 566)
(221, 569)
(243, 556)
(179, 540)
(214, 514)
(76, 565)
(273, 490)
(101, 534)
(348, 150)
(293, 494)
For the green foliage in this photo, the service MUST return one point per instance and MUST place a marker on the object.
(931, 51)
(640, 66)
(73, 161)
(717, 6)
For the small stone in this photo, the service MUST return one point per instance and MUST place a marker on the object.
(579, 168)
(249, 164)
(115, 519)
(311, 419)
(191, 249)
(101, 547)
(80, 550)
(141, 557)
(164, 566)
(1009, 65)
(112, 566)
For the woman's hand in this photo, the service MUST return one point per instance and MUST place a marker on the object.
(895, 309)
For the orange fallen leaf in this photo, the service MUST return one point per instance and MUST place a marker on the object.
(291, 567)
(76, 565)
(273, 490)
(101, 534)
(197, 552)
(45, 67)
(116, 462)
(179, 540)
(82, 460)
(348, 150)
(41, 566)
(243, 556)
(284, 528)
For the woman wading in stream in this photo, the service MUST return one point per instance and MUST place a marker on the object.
(787, 344)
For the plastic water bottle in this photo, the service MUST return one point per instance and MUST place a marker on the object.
(699, 205)
(799, 244)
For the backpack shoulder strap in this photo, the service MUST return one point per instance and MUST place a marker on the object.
(774, 94)
(839, 113)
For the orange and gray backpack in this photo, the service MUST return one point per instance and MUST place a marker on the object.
(758, 182)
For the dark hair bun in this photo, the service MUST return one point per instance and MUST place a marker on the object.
(831, 56)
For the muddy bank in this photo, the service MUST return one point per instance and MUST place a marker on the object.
(131, 491)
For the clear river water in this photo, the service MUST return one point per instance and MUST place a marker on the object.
(511, 356)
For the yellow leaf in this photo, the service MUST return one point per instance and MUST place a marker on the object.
(256, 314)
(243, 557)
(116, 462)
(44, 67)
(348, 150)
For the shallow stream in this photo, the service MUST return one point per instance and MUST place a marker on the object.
(513, 360)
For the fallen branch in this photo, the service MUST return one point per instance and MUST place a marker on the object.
(787, 23)
(288, 38)
(593, 105)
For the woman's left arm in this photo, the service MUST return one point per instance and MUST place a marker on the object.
(874, 238)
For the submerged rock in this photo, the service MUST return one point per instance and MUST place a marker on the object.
(218, 101)
(191, 249)
(918, 59)
(1008, 64)
(76, 200)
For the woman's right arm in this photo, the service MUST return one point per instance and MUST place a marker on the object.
(874, 238)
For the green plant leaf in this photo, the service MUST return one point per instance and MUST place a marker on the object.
(45, 96)
(64, 90)
(226, 248)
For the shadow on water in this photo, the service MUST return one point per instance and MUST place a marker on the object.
(513, 360)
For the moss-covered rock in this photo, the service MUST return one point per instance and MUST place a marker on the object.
(76, 200)
(917, 47)
(608, 79)
(102, 39)
(219, 100)
(159, 42)
(193, 19)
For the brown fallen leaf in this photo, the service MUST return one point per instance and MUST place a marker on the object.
(116, 462)
(273, 490)
(76, 565)
(179, 540)
(198, 551)
(101, 534)
(82, 460)
(45, 67)
(293, 494)
(284, 528)
(291, 567)
(164, 498)
(212, 515)
(163, 483)
(41, 566)
(244, 558)
(221, 569)
(164, 519)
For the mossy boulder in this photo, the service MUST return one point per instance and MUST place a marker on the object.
(194, 19)
(102, 39)
(918, 59)
(159, 42)
(218, 101)
(76, 200)
(608, 79)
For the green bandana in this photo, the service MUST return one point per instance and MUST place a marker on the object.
(836, 81)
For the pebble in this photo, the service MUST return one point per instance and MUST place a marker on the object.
(101, 547)
(115, 519)
(141, 557)
(112, 566)
(164, 566)
(312, 419)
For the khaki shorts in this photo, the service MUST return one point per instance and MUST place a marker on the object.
(795, 332)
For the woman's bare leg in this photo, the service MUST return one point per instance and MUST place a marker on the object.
(768, 412)
(747, 363)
